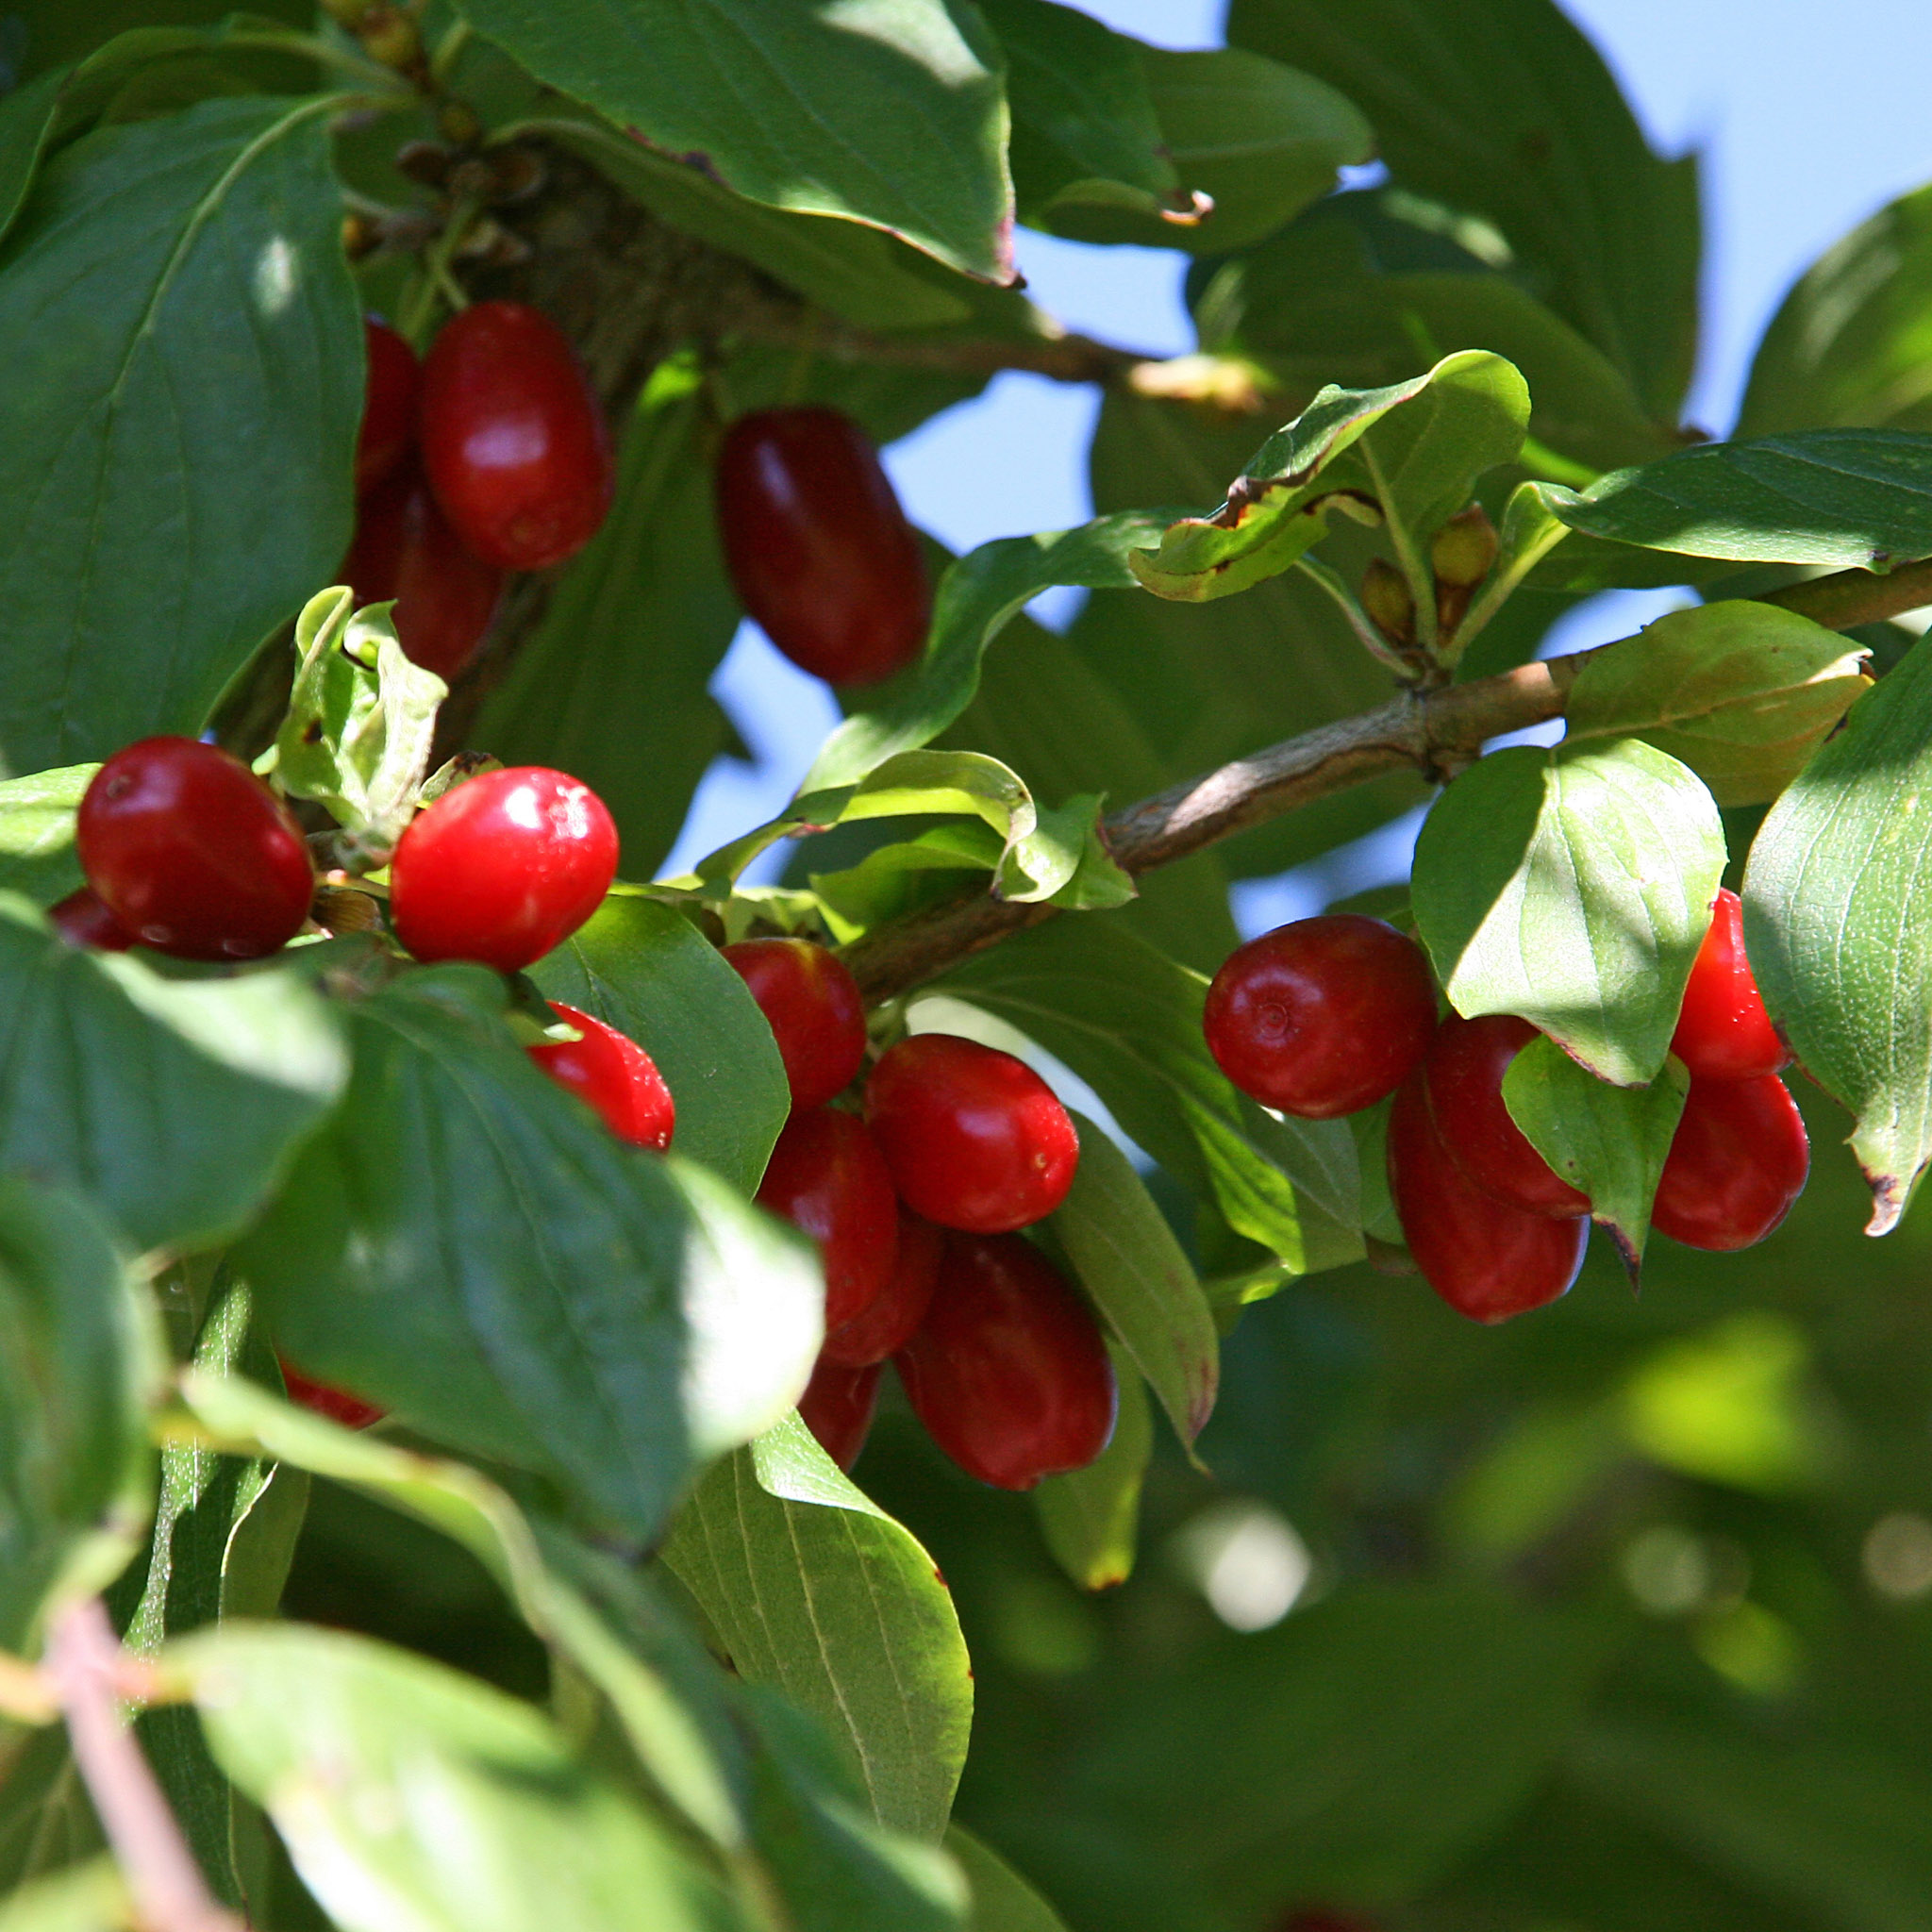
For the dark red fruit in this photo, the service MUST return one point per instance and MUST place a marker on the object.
(389, 404)
(338, 1405)
(1738, 1161)
(610, 1071)
(827, 1177)
(836, 1408)
(83, 920)
(1485, 1258)
(1723, 1032)
(514, 438)
(900, 1306)
(503, 869)
(406, 550)
(811, 1004)
(1007, 1371)
(1465, 1066)
(819, 549)
(193, 853)
(1323, 1017)
(974, 1138)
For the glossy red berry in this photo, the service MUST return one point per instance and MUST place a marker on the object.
(514, 438)
(503, 869)
(193, 853)
(1009, 1371)
(1485, 1258)
(1738, 1161)
(389, 404)
(406, 550)
(889, 1323)
(827, 1177)
(976, 1138)
(837, 1406)
(1465, 1066)
(338, 1405)
(1723, 1032)
(1323, 1017)
(819, 552)
(811, 1004)
(611, 1073)
(82, 919)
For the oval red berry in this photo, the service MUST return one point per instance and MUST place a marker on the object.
(613, 1075)
(827, 1177)
(1723, 1032)
(837, 1406)
(889, 1323)
(1464, 1067)
(1738, 1161)
(389, 404)
(812, 1006)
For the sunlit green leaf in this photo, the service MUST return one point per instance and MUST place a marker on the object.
(37, 855)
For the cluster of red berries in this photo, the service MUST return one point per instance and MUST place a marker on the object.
(489, 457)
(1330, 1015)
(915, 1207)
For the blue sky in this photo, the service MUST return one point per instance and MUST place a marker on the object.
(1804, 128)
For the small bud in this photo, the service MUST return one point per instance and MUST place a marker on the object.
(390, 36)
(459, 123)
(1388, 601)
(426, 161)
(1465, 549)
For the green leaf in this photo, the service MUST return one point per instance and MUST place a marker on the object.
(37, 855)
(892, 114)
(1610, 1142)
(1503, 109)
(1843, 499)
(1001, 1899)
(466, 1244)
(84, 1898)
(1091, 1518)
(186, 375)
(176, 1103)
(27, 120)
(77, 1359)
(976, 598)
(1136, 1274)
(1413, 452)
(47, 1823)
(1838, 926)
(1573, 886)
(817, 1592)
(1743, 693)
(407, 1794)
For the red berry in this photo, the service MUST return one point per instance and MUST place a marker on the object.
(897, 1309)
(389, 404)
(1723, 1032)
(406, 550)
(837, 1406)
(974, 1138)
(514, 438)
(812, 1006)
(1323, 1017)
(338, 1405)
(819, 552)
(1738, 1161)
(82, 920)
(827, 1177)
(193, 853)
(1485, 1258)
(610, 1071)
(1007, 1371)
(503, 869)
(1465, 1066)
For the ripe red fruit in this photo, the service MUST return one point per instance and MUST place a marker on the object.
(1738, 1161)
(191, 853)
(888, 1324)
(82, 920)
(338, 1405)
(819, 552)
(827, 1177)
(514, 438)
(1323, 1017)
(406, 550)
(837, 1406)
(614, 1075)
(1007, 1371)
(811, 1004)
(389, 404)
(1723, 1032)
(973, 1137)
(1485, 1258)
(503, 869)
(1464, 1068)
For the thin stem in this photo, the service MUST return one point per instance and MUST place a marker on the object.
(1422, 579)
(419, 307)
(449, 50)
(1360, 621)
